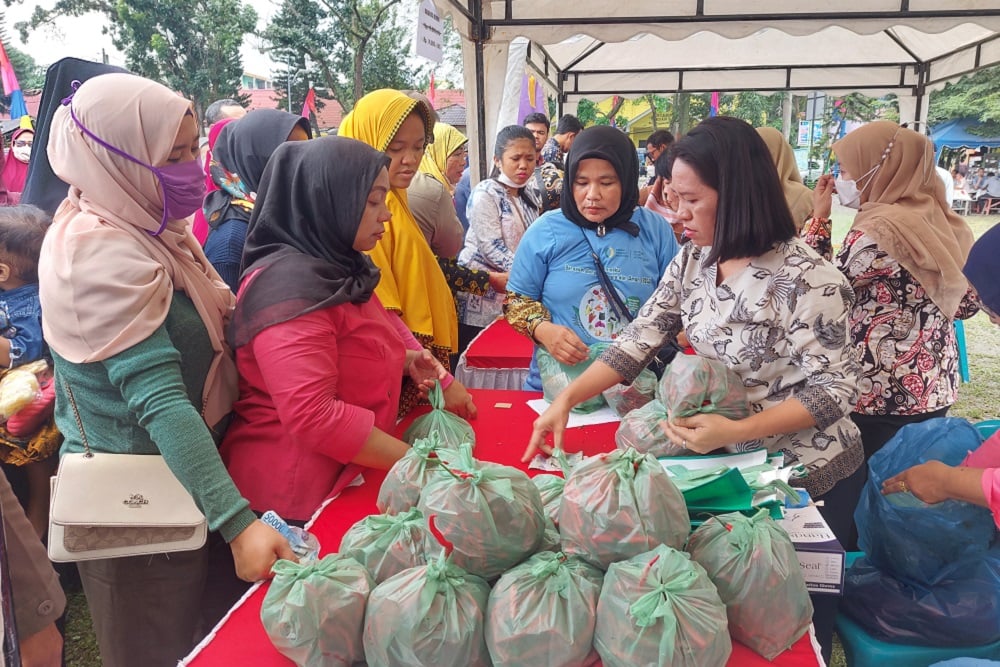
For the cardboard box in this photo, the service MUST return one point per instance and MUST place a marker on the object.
(820, 555)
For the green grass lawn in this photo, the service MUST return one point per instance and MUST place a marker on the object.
(977, 401)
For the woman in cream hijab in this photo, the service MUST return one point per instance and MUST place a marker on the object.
(903, 256)
(127, 294)
(798, 196)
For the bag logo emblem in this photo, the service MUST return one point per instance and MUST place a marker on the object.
(135, 501)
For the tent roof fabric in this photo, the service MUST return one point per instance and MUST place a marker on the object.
(954, 134)
(595, 48)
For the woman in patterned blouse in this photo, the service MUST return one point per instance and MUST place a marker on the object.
(903, 256)
(753, 296)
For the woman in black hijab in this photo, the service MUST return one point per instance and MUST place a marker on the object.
(238, 160)
(321, 361)
(556, 294)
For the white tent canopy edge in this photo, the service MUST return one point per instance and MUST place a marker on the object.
(596, 49)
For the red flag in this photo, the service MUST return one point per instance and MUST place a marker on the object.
(713, 109)
(431, 91)
(7, 75)
(309, 104)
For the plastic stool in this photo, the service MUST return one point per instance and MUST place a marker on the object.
(988, 427)
(863, 650)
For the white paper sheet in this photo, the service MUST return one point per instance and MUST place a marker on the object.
(605, 415)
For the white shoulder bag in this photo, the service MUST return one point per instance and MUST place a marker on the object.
(112, 505)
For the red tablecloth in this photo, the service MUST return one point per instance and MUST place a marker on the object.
(501, 435)
(499, 346)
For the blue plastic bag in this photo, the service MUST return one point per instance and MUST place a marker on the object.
(962, 609)
(915, 542)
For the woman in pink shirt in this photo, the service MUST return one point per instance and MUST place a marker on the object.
(977, 480)
(321, 361)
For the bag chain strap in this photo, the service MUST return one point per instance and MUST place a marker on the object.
(79, 422)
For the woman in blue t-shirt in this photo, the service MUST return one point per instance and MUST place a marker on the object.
(554, 294)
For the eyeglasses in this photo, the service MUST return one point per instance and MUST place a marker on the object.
(21, 143)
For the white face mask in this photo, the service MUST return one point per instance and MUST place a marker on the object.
(848, 193)
(506, 180)
(847, 190)
(22, 154)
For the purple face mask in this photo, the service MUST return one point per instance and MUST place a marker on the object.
(182, 184)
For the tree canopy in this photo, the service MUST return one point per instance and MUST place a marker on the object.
(191, 46)
(975, 96)
(347, 47)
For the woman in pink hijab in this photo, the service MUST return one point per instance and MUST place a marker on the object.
(15, 169)
(200, 225)
(128, 294)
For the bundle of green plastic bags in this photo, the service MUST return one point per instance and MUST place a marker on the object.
(543, 612)
(618, 505)
(450, 428)
(387, 544)
(642, 430)
(314, 614)
(556, 376)
(624, 398)
(401, 488)
(428, 615)
(492, 514)
(696, 384)
(753, 565)
(550, 488)
(660, 608)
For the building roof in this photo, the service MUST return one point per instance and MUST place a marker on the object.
(454, 114)
(446, 97)
(329, 117)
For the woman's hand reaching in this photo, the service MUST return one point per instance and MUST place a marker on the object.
(823, 196)
(562, 343)
(424, 369)
(257, 549)
(457, 399)
(702, 433)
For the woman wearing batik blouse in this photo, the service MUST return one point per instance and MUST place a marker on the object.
(903, 256)
(753, 296)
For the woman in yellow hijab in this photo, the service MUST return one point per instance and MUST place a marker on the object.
(412, 282)
(445, 158)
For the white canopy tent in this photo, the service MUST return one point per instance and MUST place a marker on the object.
(594, 49)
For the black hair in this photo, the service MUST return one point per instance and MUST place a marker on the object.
(509, 134)
(569, 124)
(213, 113)
(752, 214)
(660, 138)
(22, 229)
(661, 166)
(536, 117)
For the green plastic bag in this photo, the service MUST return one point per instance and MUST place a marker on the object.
(753, 564)
(452, 429)
(386, 544)
(660, 608)
(643, 431)
(695, 384)
(492, 514)
(314, 614)
(618, 505)
(428, 615)
(402, 485)
(556, 376)
(550, 489)
(624, 398)
(543, 612)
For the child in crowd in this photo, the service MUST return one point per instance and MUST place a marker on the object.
(22, 229)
